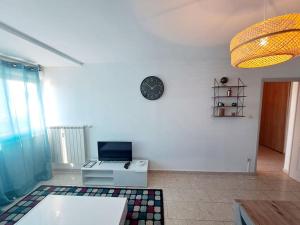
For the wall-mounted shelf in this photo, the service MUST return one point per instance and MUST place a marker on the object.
(232, 96)
(229, 116)
(229, 86)
(223, 96)
(229, 106)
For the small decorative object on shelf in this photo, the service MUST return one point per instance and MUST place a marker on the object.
(229, 100)
(221, 112)
(224, 80)
(229, 92)
(221, 104)
(90, 163)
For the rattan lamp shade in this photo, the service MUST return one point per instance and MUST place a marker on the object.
(267, 43)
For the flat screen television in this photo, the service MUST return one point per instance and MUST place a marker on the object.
(114, 151)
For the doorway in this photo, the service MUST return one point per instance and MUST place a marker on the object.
(273, 125)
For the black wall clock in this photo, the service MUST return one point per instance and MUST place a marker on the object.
(152, 88)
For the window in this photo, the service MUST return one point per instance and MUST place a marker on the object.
(20, 109)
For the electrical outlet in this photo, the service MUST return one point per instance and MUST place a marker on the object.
(248, 164)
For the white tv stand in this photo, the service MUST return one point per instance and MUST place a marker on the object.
(114, 174)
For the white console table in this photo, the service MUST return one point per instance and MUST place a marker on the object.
(114, 174)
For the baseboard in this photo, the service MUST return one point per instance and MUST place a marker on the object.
(69, 169)
(285, 171)
(202, 172)
(65, 170)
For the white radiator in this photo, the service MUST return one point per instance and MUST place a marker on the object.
(67, 145)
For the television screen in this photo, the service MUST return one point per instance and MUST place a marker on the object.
(115, 151)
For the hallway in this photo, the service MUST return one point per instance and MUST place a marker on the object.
(269, 160)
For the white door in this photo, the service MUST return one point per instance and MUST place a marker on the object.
(294, 170)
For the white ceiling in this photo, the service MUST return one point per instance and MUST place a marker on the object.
(95, 31)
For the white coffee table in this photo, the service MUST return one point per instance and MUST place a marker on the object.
(77, 210)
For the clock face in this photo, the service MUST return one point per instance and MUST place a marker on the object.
(152, 88)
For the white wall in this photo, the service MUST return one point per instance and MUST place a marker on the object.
(294, 169)
(176, 132)
(290, 125)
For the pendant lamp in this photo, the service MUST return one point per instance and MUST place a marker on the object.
(267, 43)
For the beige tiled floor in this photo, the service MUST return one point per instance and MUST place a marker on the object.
(192, 198)
(269, 160)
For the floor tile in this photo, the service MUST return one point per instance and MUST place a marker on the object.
(175, 222)
(185, 210)
(225, 196)
(228, 223)
(178, 194)
(217, 211)
(203, 222)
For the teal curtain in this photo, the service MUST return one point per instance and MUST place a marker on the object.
(24, 149)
